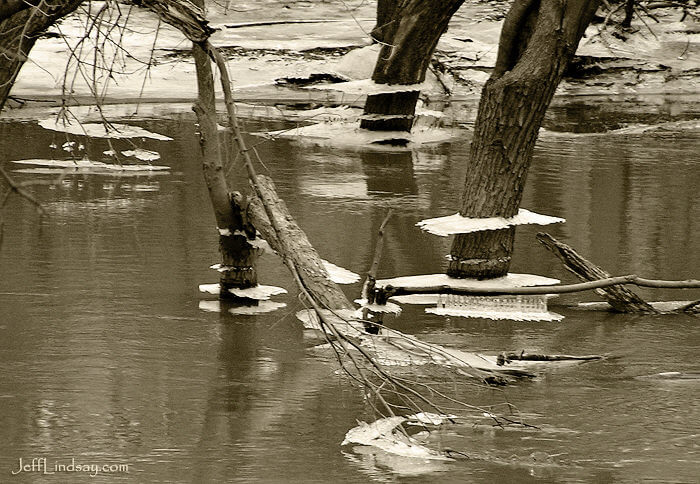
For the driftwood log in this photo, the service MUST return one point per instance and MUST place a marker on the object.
(620, 298)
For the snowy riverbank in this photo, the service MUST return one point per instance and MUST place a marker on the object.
(312, 45)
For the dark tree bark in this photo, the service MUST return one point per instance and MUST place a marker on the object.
(20, 26)
(629, 13)
(238, 255)
(538, 40)
(409, 32)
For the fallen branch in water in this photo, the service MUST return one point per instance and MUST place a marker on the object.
(620, 298)
(504, 358)
(385, 292)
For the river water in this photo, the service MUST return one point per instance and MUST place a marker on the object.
(105, 356)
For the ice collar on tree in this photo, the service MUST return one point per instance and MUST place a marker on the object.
(458, 224)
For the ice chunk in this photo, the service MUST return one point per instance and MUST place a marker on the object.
(340, 275)
(381, 434)
(368, 86)
(380, 308)
(209, 288)
(261, 308)
(457, 224)
(365, 433)
(431, 418)
(495, 315)
(349, 133)
(100, 130)
(141, 154)
(430, 280)
(89, 165)
(259, 292)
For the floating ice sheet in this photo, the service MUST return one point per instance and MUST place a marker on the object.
(381, 434)
(259, 292)
(261, 308)
(349, 133)
(379, 308)
(99, 130)
(89, 165)
(368, 86)
(496, 315)
(141, 154)
(430, 280)
(340, 275)
(457, 224)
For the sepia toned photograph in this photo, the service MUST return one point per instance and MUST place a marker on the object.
(349, 241)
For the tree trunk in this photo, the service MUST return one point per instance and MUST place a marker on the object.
(20, 27)
(537, 42)
(408, 34)
(238, 255)
(629, 14)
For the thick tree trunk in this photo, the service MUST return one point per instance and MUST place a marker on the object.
(20, 27)
(537, 42)
(408, 33)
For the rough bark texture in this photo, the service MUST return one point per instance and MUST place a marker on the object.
(238, 255)
(408, 32)
(20, 26)
(537, 42)
(619, 297)
(291, 243)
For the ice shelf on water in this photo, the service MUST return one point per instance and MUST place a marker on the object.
(379, 308)
(259, 292)
(260, 308)
(457, 224)
(368, 86)
(340, 275)
(382, 434)
(142, 154)
(101, 130)
(89, 165)
(429, 280)
(349, 133)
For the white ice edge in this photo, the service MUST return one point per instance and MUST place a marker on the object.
(99, 130)
(457, 224)
(368, 86)
(340, 275)
(509, 280)
(261, 308)
(84, 164)
(496, 315)
(379, 308)
(381, 434)
(259, 292)
(142, 154)
(349, 133)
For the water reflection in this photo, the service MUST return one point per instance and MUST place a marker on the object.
(105, 354)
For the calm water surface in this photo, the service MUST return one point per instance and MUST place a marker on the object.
(105, 355)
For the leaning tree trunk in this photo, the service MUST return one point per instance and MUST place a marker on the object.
(408, 33)
(20, 27)
(538, 40)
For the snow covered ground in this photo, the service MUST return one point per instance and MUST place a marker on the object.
(328, 40)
